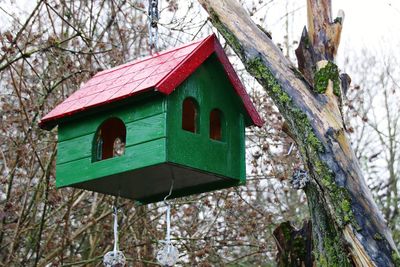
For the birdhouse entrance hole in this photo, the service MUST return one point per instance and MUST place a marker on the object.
(109, 140)
(190, 115)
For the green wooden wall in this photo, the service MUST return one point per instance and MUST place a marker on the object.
(145, 141)
(210, 87)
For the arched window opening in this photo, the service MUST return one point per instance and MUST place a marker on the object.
(190, 115)
(110, 140)
(216, 125)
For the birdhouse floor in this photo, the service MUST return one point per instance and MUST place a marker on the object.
(148, 185)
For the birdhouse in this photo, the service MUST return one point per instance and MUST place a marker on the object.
(179, 115)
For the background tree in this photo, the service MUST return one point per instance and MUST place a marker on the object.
(372, 115)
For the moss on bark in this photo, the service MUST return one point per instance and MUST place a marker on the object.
(229, 37)
(322, 77)
(396, 259)
(329, 245)
(329, 248)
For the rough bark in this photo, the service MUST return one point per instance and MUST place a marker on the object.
(294, 246)
(348, 228)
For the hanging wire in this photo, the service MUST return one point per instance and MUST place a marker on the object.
(168, 254)
(170, 192)
(290, 149)
(115, 257)
(115, 214)
(168, 215)
(153, 25)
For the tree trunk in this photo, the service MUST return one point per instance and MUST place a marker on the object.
(294, 246)
(348, 228)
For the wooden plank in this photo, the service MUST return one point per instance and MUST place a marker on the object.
(136, 156)
(242, 144)
(73, 149)
(130, 112)
(138, 131)
(146, 129)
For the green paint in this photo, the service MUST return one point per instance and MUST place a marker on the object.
(146, 129)
(134, 110)
(76, 148)
(242, 144)
(157, 148)
(139, 131)
(137, 156)
(322, 77)
(197, 150)
(145, 142)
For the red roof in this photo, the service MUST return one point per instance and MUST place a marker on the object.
(163, 72)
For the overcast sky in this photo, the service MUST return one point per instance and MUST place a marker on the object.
(369, 24)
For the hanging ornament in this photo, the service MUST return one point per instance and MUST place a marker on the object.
(168, 255)
(115, 258)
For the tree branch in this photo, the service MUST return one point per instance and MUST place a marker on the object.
(345, 217)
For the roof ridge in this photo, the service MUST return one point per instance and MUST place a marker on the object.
(146, 58)
(187, 57)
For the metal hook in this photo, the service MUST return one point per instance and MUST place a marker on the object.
(168, 215)
(290, 149)
(115, 205)
(170, 192)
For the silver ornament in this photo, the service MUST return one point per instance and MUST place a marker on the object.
(168, 255)
(114, 259)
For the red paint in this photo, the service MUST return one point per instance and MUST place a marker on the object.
(163, 71)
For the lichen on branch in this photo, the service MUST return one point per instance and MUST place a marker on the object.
(322, 76)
